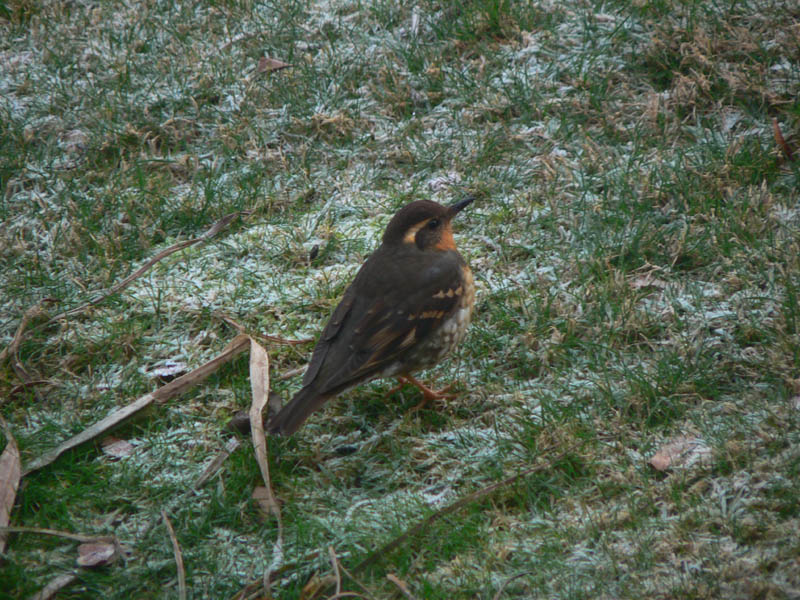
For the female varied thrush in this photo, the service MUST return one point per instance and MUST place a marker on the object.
(407, 308)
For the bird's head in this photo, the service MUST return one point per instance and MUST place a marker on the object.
(425, 224)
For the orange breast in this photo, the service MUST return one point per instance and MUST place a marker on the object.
(446, 242)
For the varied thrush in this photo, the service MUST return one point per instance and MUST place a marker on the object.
(407, 308)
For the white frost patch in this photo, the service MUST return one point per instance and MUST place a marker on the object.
(467, 442)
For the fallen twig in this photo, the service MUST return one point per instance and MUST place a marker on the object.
(76, 537)
(263, 337)
(290, 373)
(175, 387)
(27, 384)
(254, 586)
(10, 474)
(781, 141)
(36, 309)
(401, 585)
(121, 285)
(469, 499)
(29, 314)
(335, 565)
(352, 577)
(215, 464)
(507, 581)
(176, 550)
(56, 585)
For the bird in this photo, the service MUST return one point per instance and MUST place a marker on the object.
(407, 308)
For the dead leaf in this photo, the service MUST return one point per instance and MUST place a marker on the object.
(682, 451)
(267, 65)
(262, 498)
(10, 474)
(116, 448)
(173, 388)
(96, 554)
(259, 385)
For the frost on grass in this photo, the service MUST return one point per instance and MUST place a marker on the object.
(632, 244)
(263, 266)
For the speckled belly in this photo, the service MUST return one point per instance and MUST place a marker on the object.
(450, 333)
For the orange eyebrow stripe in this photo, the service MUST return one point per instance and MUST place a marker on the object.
(411, 234)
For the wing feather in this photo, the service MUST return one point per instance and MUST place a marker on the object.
(378, 320)
(386, 333)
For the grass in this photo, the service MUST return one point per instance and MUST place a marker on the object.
(635, 245)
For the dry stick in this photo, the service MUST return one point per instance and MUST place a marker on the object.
(176, 550)
(207, 474)
(12, 348)
(254, 586)
(55, 586)
(21, 386)
(214, 466)
(10, 474)
(118, 287)
(424, 524)
(173, 388)
(401, 586)
(76, 537)
(265, 337)
(335, 565)
(779, 139)
(357, 582)
(240, 38)
(230, 321)
(507, 581)
(290, 373)
(279, 340)
(259, 385)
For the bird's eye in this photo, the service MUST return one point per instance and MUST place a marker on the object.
(433, 223)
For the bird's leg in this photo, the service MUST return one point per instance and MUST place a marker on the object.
(401, 382)
(427, 393)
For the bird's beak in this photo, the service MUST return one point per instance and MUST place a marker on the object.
(456, 208)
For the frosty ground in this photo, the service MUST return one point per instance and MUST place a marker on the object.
(634, 241)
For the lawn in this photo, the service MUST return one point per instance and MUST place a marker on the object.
(628, 396)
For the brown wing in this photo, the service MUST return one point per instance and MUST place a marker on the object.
(374, 326)
(328, 334)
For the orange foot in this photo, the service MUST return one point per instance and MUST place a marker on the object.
(427, 393)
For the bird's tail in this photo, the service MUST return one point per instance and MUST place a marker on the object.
(293, 415)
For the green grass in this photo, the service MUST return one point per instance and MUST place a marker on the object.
(635, 246)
